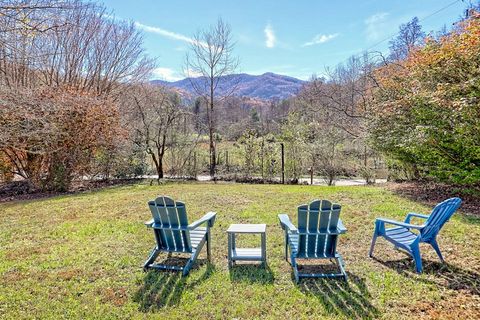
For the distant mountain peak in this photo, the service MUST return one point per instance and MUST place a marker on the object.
(266, 86)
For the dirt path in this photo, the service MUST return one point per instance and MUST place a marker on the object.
(316, 181)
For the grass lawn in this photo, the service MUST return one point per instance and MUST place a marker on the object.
(80, 256)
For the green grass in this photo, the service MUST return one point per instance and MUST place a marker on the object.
(80, 256)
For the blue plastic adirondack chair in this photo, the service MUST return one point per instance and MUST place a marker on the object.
(173, 234)
(402, 236)
(316, 237)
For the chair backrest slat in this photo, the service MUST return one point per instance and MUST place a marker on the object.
(171, 215)
(439, 216)
(331, 245)
(318, 216)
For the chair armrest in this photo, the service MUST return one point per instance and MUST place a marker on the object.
(208, 217)
(340, 227)
(285, 223)
(413, 214)
(149, 223)
(401, 224)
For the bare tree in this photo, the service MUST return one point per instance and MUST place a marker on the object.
(72, 49)
(410, 36)
(71, 43)
(153, 115)
(345, 94)
(33, 15)
(211, 59)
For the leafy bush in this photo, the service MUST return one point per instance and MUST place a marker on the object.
(368, 174)
(427, 111)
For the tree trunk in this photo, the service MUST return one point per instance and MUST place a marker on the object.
(158, 165)
(211, 128)
(213, 158)
(160, 168)
(161, 153)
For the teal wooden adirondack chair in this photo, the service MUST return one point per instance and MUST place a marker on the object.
(173, 234)
(316, 236)
(402, 236)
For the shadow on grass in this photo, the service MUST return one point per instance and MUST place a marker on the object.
(251, 273)
(430, 193)
(441, 274)
(164, 288)
(350, 299)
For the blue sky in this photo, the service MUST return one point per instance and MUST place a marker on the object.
(295, 38)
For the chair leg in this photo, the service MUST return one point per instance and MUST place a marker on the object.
(188, 266)
(435, 246)
(194, 257)
(379, 231)
(286, 246)
(191, 261)
(341, 265)
(418, 259)
(209, 255)
(151, 258)
(295, 269)
(230, 264)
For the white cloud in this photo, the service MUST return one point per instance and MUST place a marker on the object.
(188, 73)
(320, 38)
(376, 26)
(166, 74)
(270, 38)
(165, 33)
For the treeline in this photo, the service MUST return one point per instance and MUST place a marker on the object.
(417, 109)
(426, 115)
(75, 103)
(63, 69)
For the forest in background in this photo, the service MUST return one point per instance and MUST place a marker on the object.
(76, 103)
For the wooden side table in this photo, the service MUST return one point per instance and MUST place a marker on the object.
(246, 254)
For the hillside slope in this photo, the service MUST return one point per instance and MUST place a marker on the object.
(266, 86)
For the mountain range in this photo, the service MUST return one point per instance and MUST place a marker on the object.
(267, 86)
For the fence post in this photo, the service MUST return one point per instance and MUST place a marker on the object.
(262, 154)
(283, 163)
(226, 160)
(195, 164)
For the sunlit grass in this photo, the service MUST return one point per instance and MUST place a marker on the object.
(80, 256)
